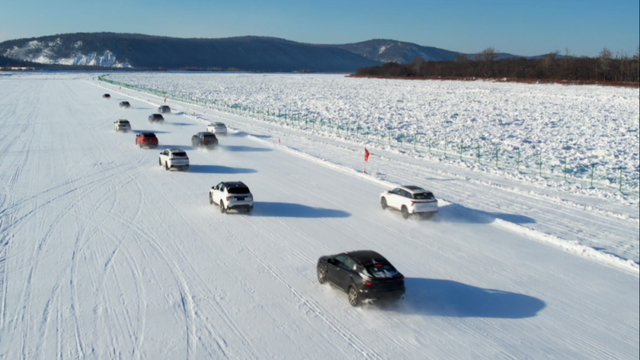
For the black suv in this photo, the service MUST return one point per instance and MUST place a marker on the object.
(205, 139)
(164, 109)
(155, 118)
(124, 104)
(364, 275)
(106, 96)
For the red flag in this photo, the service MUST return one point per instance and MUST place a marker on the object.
(366, 155)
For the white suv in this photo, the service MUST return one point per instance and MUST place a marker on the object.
(231, 195)
(217, 128)
(122, 125)
(410, 200)
(174, 158)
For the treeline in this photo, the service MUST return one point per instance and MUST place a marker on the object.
(619, 68)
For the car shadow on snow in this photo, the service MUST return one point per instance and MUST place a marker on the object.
(217, 169)
(243, 148)
(279, 209)
(180, 124)
(434, 297)
(456, 213)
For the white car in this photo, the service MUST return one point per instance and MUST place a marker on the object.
(217, 128)
(174, 158)
(121, 125)
(410, 200)
(231, 195)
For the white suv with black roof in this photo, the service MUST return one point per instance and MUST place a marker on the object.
(174, 158)
(410, 200)
(231, 195)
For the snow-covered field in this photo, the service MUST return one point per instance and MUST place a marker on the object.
(105, 255)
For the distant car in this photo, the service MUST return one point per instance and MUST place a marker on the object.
(410, 200)
(164, 109)
(217, 128)
(121, 125)
(231, 195)
(124, 104)
(155, 118)
(364, 275)
(204, 139)
(174, 158)
(106, 96)
(146, 139)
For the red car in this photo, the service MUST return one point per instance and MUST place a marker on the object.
(147, 139)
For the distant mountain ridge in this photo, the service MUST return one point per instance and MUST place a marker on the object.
(248, 53)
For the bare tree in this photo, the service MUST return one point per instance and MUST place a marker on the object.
(605, 60)
(416, 65)
(488, 54)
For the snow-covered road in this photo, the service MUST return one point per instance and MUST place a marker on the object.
(103, 254)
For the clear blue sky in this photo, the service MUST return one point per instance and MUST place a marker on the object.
(513, 26)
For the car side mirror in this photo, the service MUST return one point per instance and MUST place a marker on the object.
(331, 261)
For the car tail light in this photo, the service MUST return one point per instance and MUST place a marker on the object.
(250, 197)
(230, 197)
(368, 283)
(377, 265)
(402, 279)
(202, 140)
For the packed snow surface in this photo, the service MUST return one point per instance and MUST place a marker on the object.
(104, 254)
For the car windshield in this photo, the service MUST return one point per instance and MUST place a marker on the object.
(239, 190)
(209, 137)
(149, 135)
(180, 153)
(423, 196)
(382, 270)
(124, 122)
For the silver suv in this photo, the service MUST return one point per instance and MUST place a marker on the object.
(121, 125)
(174, 158)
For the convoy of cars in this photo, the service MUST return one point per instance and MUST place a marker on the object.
(410, 200)
(204, 139)
(155, 118)
(174, 159)
(146, 139)
(364, 275)
(121, 125)
(217, 128)
(231, 195)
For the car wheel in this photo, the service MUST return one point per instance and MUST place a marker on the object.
(322, 275)
(250, 209)
(186, 168)
(405, 212)
(383, 203)
(354, 299)
(159, 162)
(222, 209)
(166, 166)
(210, 199)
